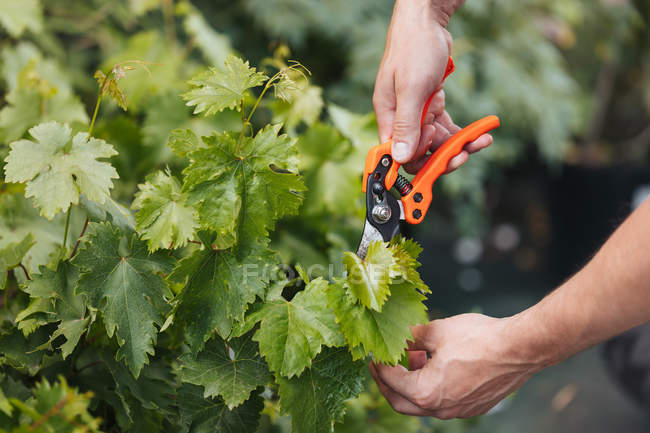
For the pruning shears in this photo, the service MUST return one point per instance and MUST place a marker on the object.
(380, 174)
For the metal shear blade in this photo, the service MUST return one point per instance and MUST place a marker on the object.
(371, 234)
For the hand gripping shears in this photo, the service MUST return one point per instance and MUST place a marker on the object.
(383, 211)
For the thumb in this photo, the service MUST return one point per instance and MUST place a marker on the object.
(423, 338)
(406, 125)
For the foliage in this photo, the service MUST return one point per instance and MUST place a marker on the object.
(175, 314)
(166, 299)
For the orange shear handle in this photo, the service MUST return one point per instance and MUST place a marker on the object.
(417, 201)
(377, 152)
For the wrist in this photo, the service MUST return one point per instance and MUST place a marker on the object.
(532, 341)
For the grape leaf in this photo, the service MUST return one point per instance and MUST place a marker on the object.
(11, 256)
(331, 168)
(369, 279)
(361, 129)
(213, 45)
(305, 107)
(215, 89)
(57, 169)
(52, 292)
(56, 407)
(17, 16)
(230, 376)
(406, 251)
(242, 189)
(292, 333)
(218, 286)
(183, 142)
(22, 352)
(163, 218)
(154, 389)
(201, 415)
(120, 278)
(27, 108)
(382, 334)
(315, 399)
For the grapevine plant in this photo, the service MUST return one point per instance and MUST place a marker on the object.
(177, 314)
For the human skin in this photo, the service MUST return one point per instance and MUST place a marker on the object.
(414, 62)
(475, 360)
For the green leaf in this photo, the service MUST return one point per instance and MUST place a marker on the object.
(183, 142)
(23, 353)
(57, 407)
(58, 168)
(218, 286)
(201, 415)
(369, 279)
(216, 89)
(331, 169)
(53, 294)
(406, 251)
(382, 334)
(230, 370)
(306, 107)
(292, 333)
(242, 189)
(163, 217)
(315, 399)
(18, 16)
(361, 129)
(154, 389)
(12, 255)
(27, 108)
(213, 45)
(121, 279)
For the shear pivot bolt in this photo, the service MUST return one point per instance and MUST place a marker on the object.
(417, 197)
(381, 214)
(417, 214)
(385, 161)
(377, 188)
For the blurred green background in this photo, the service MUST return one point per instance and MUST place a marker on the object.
(570, 81)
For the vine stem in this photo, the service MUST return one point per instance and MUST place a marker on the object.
(99, 100)
(246, 120)
(76, 245)
(67, 225)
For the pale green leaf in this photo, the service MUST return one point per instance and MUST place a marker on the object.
(369, 279)
(58, 168)
(183, 142)
(27, 108)
(361, 129)
(382, 334)
(18, 15)
(241, 189)
(121, 279)
(293, 332)
(315, 399)
(163, 218)
(201, 415)
(216, 89)
(56, 407)
(230, 370)
(214, 46)
(306, 106)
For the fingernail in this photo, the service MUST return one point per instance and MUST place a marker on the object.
(400, 151)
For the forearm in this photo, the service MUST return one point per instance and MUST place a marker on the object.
(610, 295)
